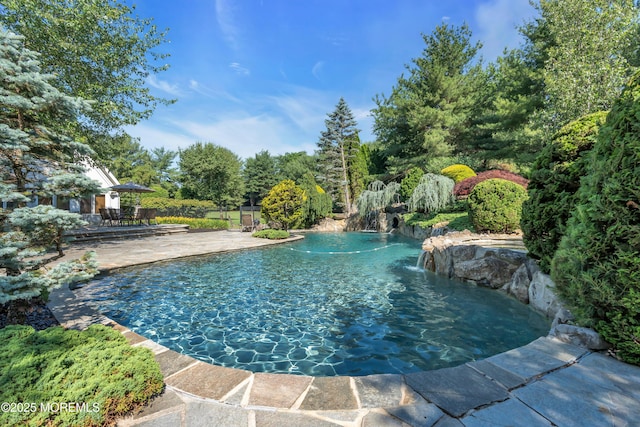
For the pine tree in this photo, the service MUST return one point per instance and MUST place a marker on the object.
(36, 161)
(338, 145)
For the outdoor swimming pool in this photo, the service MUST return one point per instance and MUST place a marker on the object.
(331, 304)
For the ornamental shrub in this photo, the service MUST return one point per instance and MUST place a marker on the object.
(495, 205)
(410, 182)
(458, 172)
(597, 265)
(464, 187)
(433, 193)
(271, 234)
(317, 204)
(96, 367)
(377, 197)
(283, 206)
(555, 179)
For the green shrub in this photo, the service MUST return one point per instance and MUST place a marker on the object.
(495, 205)
(464, 187)
(317, 204)
(458, 221)
(555, 179)
(458, 172)
(410, 182)
(271, 234)
(433, 193)
(179, 207)
(283, 206)
(96, 367)
(597, 265)
(195, 223)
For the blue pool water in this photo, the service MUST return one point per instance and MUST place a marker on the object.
(331, 304)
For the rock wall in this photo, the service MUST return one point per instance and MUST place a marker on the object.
(500, 262)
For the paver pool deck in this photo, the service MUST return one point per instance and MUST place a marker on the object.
(545, 383)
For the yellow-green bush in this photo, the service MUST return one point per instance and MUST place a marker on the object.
(458, 172)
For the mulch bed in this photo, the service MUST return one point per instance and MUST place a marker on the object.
(33, 312)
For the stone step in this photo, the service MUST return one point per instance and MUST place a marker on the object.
(90, 234)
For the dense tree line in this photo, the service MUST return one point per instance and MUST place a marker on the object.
(574, 60)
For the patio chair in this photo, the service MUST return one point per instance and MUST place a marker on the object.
(247, 223)
(116, 216)
(151, 215)
(105, 217)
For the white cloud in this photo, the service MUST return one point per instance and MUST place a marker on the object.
(317, 69)
(239, 69)
(226, 17)
(209, 92)
(164, 86)
(497, 21)
(304, 108)
(246, 135)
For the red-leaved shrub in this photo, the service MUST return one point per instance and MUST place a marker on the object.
(464, 187)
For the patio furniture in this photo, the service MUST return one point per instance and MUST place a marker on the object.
(145, 215)
(105, 217)
(116, 216)
(247, 223)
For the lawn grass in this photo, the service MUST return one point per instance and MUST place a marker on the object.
(233, 215)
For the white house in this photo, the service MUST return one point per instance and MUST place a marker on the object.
(88, 207)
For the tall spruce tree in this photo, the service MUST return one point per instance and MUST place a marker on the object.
(337, 147)
(36, 161)
(429, 112)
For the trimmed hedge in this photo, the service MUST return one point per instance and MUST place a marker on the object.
(271, 234)
(96, 367)
(189, 208)
(195, 223)
(458, 172)
(465, 187)
(596, 268)
(555, 179)
(495, 205)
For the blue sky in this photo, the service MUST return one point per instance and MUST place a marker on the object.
(254, 75)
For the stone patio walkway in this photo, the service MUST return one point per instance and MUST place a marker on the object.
(545, 383)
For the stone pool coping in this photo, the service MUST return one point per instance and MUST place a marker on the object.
(521, 384)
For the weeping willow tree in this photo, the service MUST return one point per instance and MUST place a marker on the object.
(433, 193)
(377, 196)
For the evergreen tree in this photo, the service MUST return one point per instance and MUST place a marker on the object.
(555, 179)
(35, 160)
(337, 146)
(259, 174)
(428, 113)
(597, 265)
(317, 204)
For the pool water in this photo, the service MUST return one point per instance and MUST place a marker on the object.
(331, 304)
